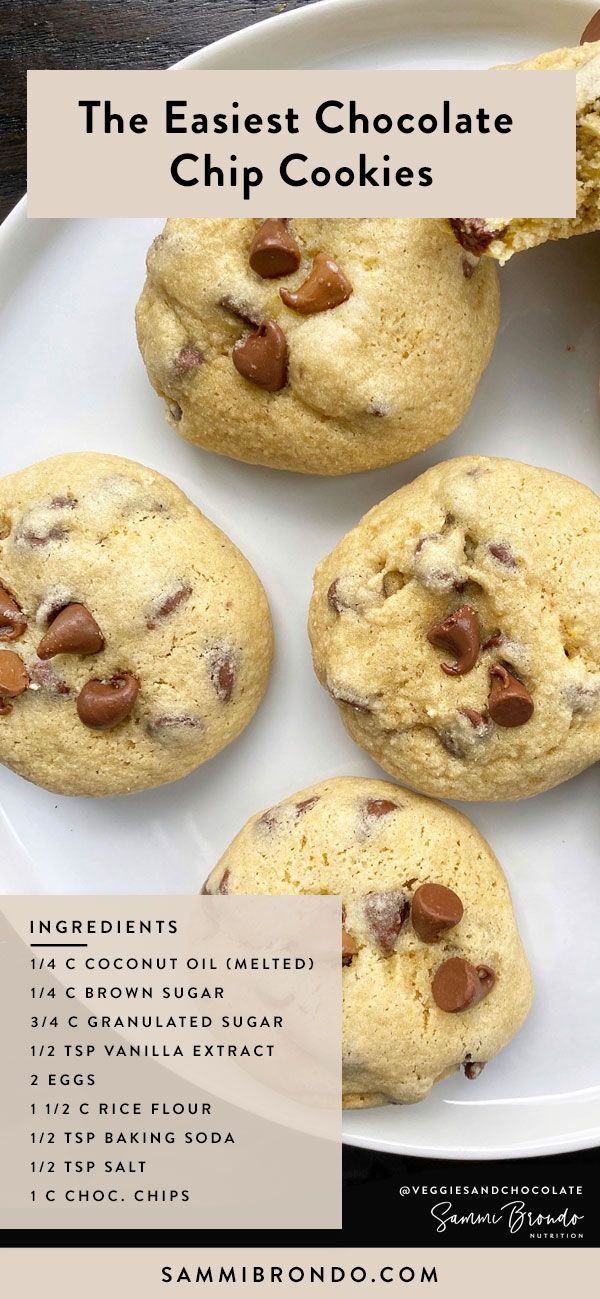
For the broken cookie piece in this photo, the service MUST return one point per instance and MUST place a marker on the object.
(501, 237)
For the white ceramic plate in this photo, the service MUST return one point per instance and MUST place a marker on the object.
(71, 379)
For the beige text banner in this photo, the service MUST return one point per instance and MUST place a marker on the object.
(445, 1273)
(309, 143)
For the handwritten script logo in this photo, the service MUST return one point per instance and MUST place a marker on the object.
(513, 1213)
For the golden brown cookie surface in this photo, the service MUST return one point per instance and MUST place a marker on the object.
(143, 634)
(457, 627)
(367, 352)
(434, 974)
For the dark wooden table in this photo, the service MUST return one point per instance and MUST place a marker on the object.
(101, 34)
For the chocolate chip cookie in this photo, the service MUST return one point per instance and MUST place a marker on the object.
(434, 974)
(135, 639)
(500, 237)
(457, 628)
(321, 346)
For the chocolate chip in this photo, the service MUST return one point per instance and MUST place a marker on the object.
(188, 359)
(276, 817)
(503, 553)
(582, 698)
(458, 985)
(460, 634)
(13, 675)
(509, 703)
(435, 909)
(242, 310)
(305, 804)
(440, 579)
(476, 719)
(262, 357)
(349, 946)
(63, 502)
(493, 641)
(473, 234)
(334, 598)
(222, 674)
(473, 1068)
(269, 819)
(44, 677)
(222, 886)
(274, 251)
(470, 545)
(167, 604)
(380, 807)
(487, 978)
(386, 913)
(468, 268)
(461, 741)
(343, 696)
(27, 536)
(378, 409)
(102, 704)
(12, 619)
(174, 410)
(326, 287)
(342, 595)
(393, 581)
(428, 536)
(73, 631)
(434, 567)
(167, 722)
(592, 31)
(451, 743)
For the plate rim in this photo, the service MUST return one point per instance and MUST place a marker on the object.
(493, 1154)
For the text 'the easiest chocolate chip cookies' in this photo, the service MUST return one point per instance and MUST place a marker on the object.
(434, 974)
(135, 639)
(458, 630)
(322, 346)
